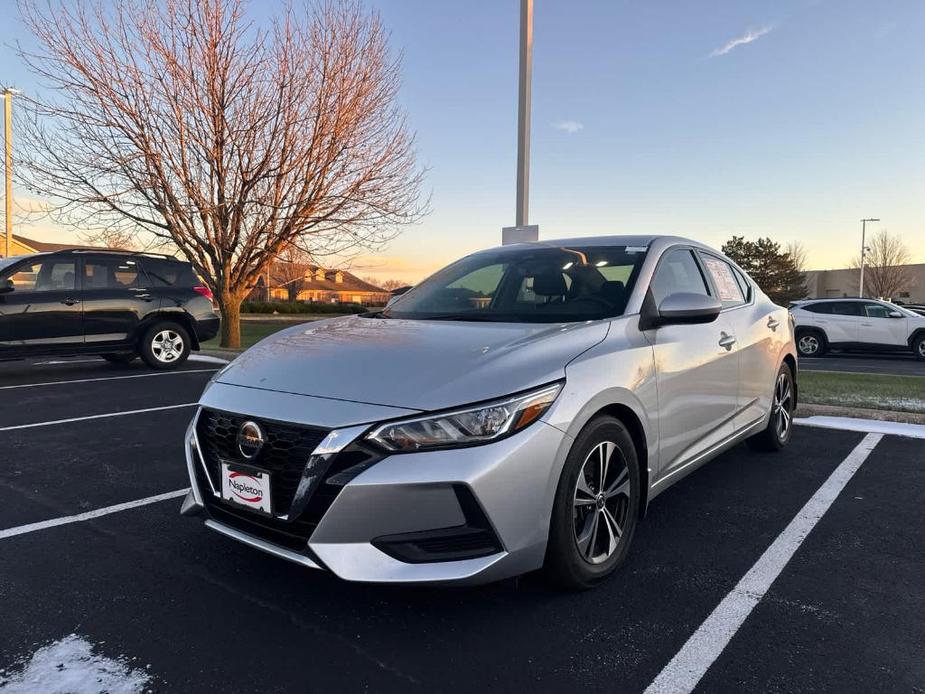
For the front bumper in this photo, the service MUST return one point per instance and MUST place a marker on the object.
(369, 532)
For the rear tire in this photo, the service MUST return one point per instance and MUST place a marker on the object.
(780, 424)
(165, 346)
(811, 343)
(596, 506)
(120, 357)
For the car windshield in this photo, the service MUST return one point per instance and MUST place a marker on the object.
(528, 284)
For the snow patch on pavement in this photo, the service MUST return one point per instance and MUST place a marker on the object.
(870, 426)
(69, 666)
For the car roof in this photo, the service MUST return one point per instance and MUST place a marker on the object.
(613, 240)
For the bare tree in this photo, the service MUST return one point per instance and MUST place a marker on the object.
(886, 266)
(118, 239)
(182, 120)
(797, 253)
(388, 285)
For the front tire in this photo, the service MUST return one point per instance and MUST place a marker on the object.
(596, 506)
(918, 347)
(780, 424)
(165, 346)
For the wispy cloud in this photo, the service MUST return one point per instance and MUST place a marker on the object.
(746, 38)
(569, 126)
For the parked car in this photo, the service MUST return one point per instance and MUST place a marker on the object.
(857, 324)
(518, 409)
(115, 304)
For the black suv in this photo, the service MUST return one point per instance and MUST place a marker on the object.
(115, 304)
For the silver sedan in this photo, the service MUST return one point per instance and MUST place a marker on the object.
(517, 410)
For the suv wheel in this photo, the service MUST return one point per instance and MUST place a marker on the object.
(165, 346)
(780, 424)
(596, 506)
(810, 343)
(918, 346)
(120, 357)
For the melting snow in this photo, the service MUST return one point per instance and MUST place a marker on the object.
(69, 666)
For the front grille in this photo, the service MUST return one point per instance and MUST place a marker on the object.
(284, 454)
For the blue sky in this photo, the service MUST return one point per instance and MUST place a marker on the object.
(649, 117)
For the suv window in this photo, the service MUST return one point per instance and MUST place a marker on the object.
(45, 276)
(168, 273)
(877, 311)
(677, 272)
(817, 308)
(111, 273)
(730, 293)
(847, 308)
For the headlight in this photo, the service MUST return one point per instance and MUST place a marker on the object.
(466, 427)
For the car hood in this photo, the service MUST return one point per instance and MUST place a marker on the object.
(421, 365)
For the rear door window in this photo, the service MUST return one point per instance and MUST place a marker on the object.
(847, 308)
(111, 273)
(727, 287)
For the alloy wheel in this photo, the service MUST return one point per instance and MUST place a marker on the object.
(601, 502)
(783, 406)
(922, 349)
(809, 344)
(167, 346)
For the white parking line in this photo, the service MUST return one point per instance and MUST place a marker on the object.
(681, 675)
(106, 378)
(96, 416)
(89, 515)
(208, 359)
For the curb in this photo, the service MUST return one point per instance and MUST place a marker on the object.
(805, 409)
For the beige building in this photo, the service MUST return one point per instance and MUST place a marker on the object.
(317, 284)
(833, 284)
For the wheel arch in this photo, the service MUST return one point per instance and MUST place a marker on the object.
(916, 334)
(179, 317)
(626, 416)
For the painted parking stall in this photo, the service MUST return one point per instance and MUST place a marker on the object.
(101, 561)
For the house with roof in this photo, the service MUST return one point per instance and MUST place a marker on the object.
(317, 284)
(22, 246)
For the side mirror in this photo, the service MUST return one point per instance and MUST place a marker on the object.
(895, 314)
(6, 286)
(684, 308)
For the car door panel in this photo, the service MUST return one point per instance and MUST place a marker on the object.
(115, 299)
(876, 327)
(697, 392)
(44, 308)
(696, 369)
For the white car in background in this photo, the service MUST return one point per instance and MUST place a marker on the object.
(856, 324)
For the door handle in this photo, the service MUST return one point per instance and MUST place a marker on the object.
(70, 302)
(726, 341)
(772, 324)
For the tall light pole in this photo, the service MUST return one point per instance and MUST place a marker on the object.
(8, 168)
(522, 231)
(864, 250)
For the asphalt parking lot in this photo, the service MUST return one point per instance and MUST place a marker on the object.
(188, 610)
